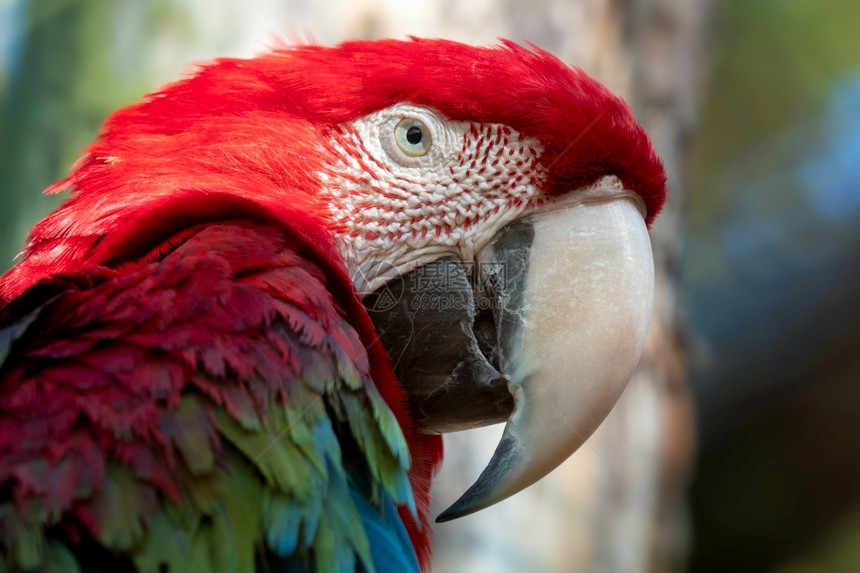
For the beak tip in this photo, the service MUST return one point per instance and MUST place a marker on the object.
(460, 508)
(447, 515)
(496, 482)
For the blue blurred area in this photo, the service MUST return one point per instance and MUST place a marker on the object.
(792, 228)
(771, 284)
(12, 16)
(831, 174)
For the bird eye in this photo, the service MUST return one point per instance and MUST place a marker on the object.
(412, 137)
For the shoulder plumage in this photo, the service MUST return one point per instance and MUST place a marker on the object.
(205, 404)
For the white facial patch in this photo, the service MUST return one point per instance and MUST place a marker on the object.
(398, 202)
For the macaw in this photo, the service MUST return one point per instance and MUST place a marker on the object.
(277, 281)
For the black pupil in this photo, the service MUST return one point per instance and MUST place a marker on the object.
(414, 135)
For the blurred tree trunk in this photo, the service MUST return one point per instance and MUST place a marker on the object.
(47, 114)
(75, 66)
(617, 505)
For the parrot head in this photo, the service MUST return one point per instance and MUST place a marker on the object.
(490, 205)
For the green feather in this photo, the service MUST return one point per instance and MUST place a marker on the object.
(216, 528)
(60, 560)
(347, 372)
(23, 541)
(190, 434)
(272, 451)
(385, 455)
(167, 544)
(122, 508)
(237, 523)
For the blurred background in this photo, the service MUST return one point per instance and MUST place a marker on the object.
(737, 445)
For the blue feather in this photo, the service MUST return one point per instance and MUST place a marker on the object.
(390, 546)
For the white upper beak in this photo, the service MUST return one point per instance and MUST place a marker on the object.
(573, 336)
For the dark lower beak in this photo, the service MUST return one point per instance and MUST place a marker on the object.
(442, 339)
